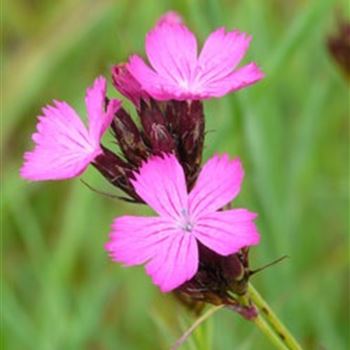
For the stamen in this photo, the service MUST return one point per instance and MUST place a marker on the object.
(185, 222)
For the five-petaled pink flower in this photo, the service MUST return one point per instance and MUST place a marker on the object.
(180, 75)
(168, 243)
(64, 147)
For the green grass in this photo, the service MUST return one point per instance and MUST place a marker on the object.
(59, 290)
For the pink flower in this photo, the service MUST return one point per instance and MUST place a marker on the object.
(168, 243)
(170, 17)
(63, 145)
(178, 73)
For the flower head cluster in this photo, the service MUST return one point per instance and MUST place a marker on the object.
(160, 161)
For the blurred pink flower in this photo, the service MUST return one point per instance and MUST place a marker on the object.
(179, 73)
(170, 17)
(168, 243)
(63, 145)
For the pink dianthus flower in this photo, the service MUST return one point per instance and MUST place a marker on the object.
(64, 147)
(178, 73)
(168, 243)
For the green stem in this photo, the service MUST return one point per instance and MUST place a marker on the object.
(269, 333)
(261, 323)
(199, 320)
(266, 320)
(280, 330)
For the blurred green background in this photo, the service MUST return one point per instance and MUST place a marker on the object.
(60, 291)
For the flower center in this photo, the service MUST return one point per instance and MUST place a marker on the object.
(188, 227)
(185, 222)
(184, 84)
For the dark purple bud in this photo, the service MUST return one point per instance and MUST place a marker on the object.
(173, 112)
(156, 129)
(235, 273)
(116, 171)
(129, 138)
(127, 85)
(218, 280)
(192, 130)
(339, 47)
(186, 121)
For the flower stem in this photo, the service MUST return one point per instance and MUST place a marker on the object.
(201, 319)
(269, 333)
(266, 320)
(281, 332)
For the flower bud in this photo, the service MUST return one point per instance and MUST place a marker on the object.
(156, 129)
(218, 280)
(186, 120)
(129, 138)
(125, 83)
(116, 171)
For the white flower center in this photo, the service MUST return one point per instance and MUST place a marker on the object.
(185, 223)
(184, 84)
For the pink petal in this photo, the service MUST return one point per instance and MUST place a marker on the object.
(161, 183)
(127, 85)
(135, 240)
(241, 78)
(176, 261)
(172, 51)
(170, 17)
(63, 146)
(171, 254)
(226, 232)
(156, 86)
(99, 120)
(220, 54)
(218, 183)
